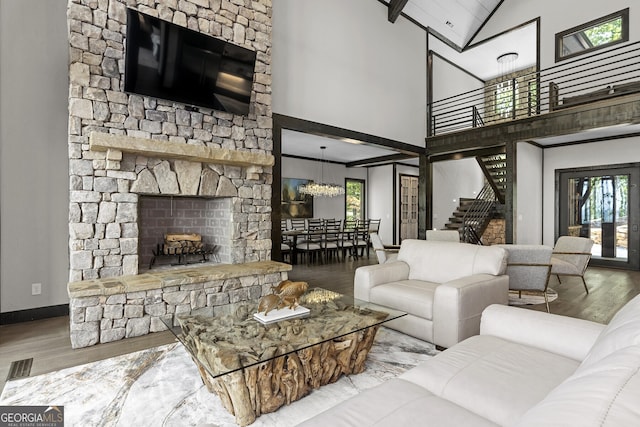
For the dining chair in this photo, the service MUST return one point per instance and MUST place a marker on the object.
(374, 225)
(361, 240)
(332, 237)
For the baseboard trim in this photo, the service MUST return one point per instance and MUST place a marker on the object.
(34, 314)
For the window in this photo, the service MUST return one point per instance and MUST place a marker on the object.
(354, 200)
(599, 33)
(505, 105)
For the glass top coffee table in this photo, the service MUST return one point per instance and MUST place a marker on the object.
(256, 368)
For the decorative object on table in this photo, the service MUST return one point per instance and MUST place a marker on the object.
(290, 292)
(268, 303)
(282, 303)
(294, 204)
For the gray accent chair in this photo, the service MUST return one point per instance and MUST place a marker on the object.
(571, 257)
(528, 268)
(384, 253)
(443, 235)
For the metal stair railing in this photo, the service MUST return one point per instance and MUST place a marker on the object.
(478, 215)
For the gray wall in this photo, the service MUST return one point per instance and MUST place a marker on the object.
(33, 153)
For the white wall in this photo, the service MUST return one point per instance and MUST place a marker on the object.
(342, 63)
(452, 180)
(556, 16)
(380, 200)
(323, 207)
(528, 197)
(449, 80)
(576, 156)
(33, 153)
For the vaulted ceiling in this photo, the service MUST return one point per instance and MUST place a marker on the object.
(455, 20)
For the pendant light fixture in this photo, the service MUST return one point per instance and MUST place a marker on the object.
(322, 189)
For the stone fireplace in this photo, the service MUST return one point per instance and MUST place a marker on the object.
(125, 149)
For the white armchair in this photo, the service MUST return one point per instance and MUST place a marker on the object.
(443, 286)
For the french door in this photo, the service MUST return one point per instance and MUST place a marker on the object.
(408, 207)
(603, 204)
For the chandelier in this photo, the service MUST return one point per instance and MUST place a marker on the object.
(322, 189)
(507, 63)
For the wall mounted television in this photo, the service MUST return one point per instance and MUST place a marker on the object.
(164, 60)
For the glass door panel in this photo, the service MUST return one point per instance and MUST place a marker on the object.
(598, 209)
(603, 206)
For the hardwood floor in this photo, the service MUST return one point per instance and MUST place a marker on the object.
(47, 341)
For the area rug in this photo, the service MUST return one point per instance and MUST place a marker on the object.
(162, 387)
(531, 298)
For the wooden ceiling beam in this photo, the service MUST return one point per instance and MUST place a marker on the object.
(395, 9)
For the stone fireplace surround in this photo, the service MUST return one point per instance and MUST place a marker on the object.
(123, 145)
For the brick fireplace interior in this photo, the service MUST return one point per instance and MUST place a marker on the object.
(207, 217)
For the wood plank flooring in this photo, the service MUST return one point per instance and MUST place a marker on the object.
(47, 341)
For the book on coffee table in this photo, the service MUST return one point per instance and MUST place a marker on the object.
(281, 314)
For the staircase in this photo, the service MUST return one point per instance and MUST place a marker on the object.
(494, 167)
(473, 215)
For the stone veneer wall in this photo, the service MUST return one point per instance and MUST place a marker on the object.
(494, 233)
(104, 186)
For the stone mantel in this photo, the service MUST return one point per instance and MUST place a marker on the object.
(100, 141)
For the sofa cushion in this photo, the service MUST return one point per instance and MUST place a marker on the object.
(413, 296)
(604, 394)
(622, 331)
(440, 262)
(494, 378)
(396, 403)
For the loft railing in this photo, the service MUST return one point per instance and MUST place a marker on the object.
(598, 76)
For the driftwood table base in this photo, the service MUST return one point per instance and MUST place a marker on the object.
(263, 388)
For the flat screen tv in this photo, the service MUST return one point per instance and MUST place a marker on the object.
(167, 61)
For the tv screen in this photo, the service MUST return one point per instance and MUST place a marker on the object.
(167, 61)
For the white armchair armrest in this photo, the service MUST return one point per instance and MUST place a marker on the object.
(458, 306)
(566, 336)
(370, 276)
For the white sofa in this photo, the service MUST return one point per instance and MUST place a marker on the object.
(443, 286)
(525, 369)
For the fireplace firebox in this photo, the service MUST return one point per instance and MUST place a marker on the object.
(181, 230)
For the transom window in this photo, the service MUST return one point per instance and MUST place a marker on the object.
(596, 34)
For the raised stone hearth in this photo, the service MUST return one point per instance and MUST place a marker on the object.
(105, 310)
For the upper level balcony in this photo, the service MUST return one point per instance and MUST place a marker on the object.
(599, 92)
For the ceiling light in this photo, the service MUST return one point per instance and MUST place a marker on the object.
(322, 189)
(507, 57)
